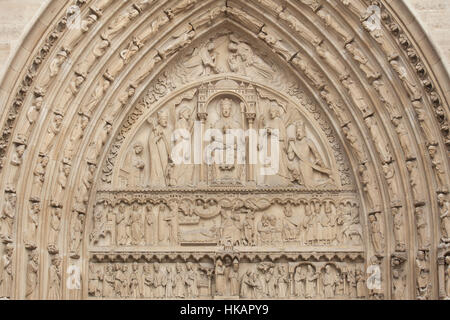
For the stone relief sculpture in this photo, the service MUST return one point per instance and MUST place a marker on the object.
(54, 291)
(399, 232)
(357, 96)
(55, 227)
(445, 217)
(422, 228)
(414, 181)
(32, 274)
(121, 22)
(437, 164)
(300, 28)
(156, 230)
(424, 121)
(76, 35)
(380, 36)
(332, 23)
(76, 232)
(275, 44)
(333, 62)
(398, 277)
(412, 89)
(31, 116)
(312, 73)
(364, 63)
(33, 224)
(423, 276)
(387, 98)
(52, 133)
(8, 217)
(6, 273)
(97, 52)
(404, 138)
(159, 144)
(305, 160)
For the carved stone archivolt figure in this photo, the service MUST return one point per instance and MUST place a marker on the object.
(52, 132)
(76, 233)
(447, 276)
(398, 284)
(32, 274)
(33, 224)
(364, 63)
(55, 227)
(414, 181)
(376, 234)
(54, 292)
(296, 25)
(422, 228)
(6, 273)
(8, 217)
(423, 276)
(119, 23)
(399, 229)
(82, 193)
(444, 205)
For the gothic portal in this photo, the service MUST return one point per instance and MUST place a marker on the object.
(103, 96)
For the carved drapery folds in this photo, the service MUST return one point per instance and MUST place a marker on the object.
(225, 275)
(87, 165)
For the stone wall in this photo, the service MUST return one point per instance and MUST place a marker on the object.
(15, 15)
(433, 15)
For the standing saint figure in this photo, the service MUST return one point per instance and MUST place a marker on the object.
(329, 282)
(233, 277)
(179, 290)
(54, 292)
(122, 223)
(184, 169)
(6, 273)
(32, 274)
(220, 278)
(159, 148)
(447, 276)
(137, 232)
(76, 234)
(149, 225)
(168, 224)
(275, 130)
(311, 282)
(138, 164)
(299, 281)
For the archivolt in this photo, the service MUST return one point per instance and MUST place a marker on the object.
(378, 88)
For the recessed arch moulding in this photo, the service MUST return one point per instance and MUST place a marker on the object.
(93, 205)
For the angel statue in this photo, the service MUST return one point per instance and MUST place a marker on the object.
(305, 162)
(202, 61)
(274, 155)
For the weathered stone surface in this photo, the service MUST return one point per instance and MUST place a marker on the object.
(233, 155)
